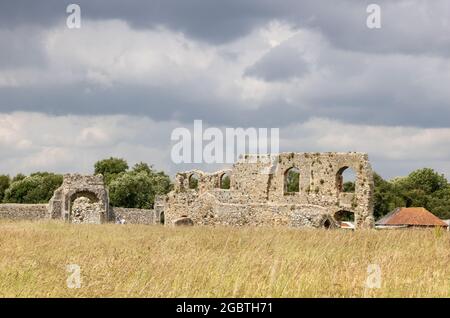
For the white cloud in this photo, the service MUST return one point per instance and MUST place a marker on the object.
(75, 143)
(32, 141)
(323, 96)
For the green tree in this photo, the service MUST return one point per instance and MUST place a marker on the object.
(381, 196)
(426, 180)
(386, 197)
(439, 203)
(37, 188)
(131, 190)
(18, 177)
(426, 188)
(4, 184)
(142, 167)
(421, 188)
(138, 188)
(110, 168)
(348, 186)
(292, 180)
(193, 181)
(225, 182)
(161, 183)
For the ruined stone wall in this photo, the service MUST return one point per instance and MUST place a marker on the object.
(257, 195)
(82, 199)
(85, 211)
(75, 186)
(206, 181)
(135, 216)
(318, 183)
(15, 211)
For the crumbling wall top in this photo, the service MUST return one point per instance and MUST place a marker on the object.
(83, 180)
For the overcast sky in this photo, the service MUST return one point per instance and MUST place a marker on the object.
(136, 70)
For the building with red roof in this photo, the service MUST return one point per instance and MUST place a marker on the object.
(410, 217)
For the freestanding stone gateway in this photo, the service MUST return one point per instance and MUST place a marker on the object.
(80, 199)
(258, 194)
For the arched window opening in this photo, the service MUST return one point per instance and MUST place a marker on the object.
(193, 181)
(292, 180)
(87, 194)
(346, 180)
(344, 216)
(327, 224)
(161, 218)
(225, 181)
(92, 197)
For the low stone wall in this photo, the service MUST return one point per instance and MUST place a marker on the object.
(206, 211)
(134, 216)
(14, 211)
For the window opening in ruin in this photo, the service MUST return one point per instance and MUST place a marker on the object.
(87, 194)
(327, 224)
(346, 180)
(292, 180)
(343, 215)
(193, 181)
(225, 181)
(161, 218)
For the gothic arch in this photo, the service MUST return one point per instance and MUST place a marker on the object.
(347, 184)
(193, 180)
(225, 180)
(291, 180)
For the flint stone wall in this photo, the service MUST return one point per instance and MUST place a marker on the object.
(16, 211)
(257, 192)
(135, 216)
(83, 199)
(85, 211)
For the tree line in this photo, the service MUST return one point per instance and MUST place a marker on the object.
(137, 188)
(130, 188)
(421, 188)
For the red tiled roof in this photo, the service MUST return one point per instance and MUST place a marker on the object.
(411, 216)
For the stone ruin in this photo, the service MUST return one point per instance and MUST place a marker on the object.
(85, 199)
(258, 194)
(80, 199)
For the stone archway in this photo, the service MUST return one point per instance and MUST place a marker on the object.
(87, 194)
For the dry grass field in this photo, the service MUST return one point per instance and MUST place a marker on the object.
(156, 261)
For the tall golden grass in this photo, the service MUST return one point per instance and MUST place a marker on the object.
(156, 261)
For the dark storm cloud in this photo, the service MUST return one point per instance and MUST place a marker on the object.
(329, 94)
(407, 26)
(394, 96)
(212, 21)
(179, 104)
(158, 103)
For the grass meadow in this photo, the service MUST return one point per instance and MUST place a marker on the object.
(156, 261)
